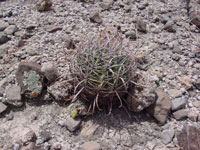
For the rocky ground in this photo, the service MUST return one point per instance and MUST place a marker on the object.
(158, 30)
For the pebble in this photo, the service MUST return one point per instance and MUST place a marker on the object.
(3, 25)
(174, 93)
(95, 17)
(180, 114)
(193, 116)
(50, 71)
(91, 146)
(3, 38)
(167, 136)
(11, 29)
(178, 103)
(3, 107)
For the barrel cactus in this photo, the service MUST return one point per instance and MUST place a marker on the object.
(103, 71)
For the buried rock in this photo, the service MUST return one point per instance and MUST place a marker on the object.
(30, 79)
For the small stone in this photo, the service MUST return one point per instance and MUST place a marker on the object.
(43, 5)
(50, 71)
(88, 130)
(195, 19)
(11, 29)
(30, 146)
(169, 26)
(104, 5)
(167, 136)
(3, 50)
(196, 104)
(28, 136)
(178, 103)
(71, 123)
(57, 146)
(3, 25)
(95, 17)
(141, 25)
(131, 35)
(188, 138)
(162, 106)
(186, 81)
(52, 28)
(13, 95)
(3, 38)
(91, 146)
(180, 114)
(44, 136)
(20, 43)
(3, 107)
(193, 116)
(68, 41)
(174, 93)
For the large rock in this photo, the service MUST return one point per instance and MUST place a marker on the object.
(3, 25)
(167, 136)
(30, 79)
(3, 50)
(188, 138)
(3, 38)
(162, 106)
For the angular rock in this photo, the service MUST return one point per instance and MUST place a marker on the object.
(139, 100)
(196, 104)
(11, 29)
(44, 136)
(3, 25)
(3, 50)
(91, 146)
(52, 28)
(13, 95)
(70, 123)
(167, 136)
(68, 42)
(3, 107)
(50, 71)
(141, 25)
(188, 138)
(20, 43)
(30, 146)
(43, 5)
(30, 79)
(131, 35)
(178, 103)
(95, 17)
(180, 114)
(89, 129)
(186, 81)
(3, 38)
(162, 106)
(174, 93)
(60, 90)
(106, 4)
(195, 19)
(193, 116)
(169, 26)
(28, 136)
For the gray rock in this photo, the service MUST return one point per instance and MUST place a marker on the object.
(178, 103)
(180, 114)
(44, 136)
(131, 35)
(95, 17)
(174, 93)
(3, 50)
(162, 106)
(167, 136)
(20, 43)
(3, 107)
(195, 19)
(104, 5)
(141, 25)
(188, 138)
(50, 71)
(3, 38)
(30, 146)
(68, 41)
(28, 136)
(11, 29)
(169, 26)
(91, 146)
(193, 116)
(89, 129)
(57, 146)
(30, 79)
(164, 18)
(13, 95)
(52, 28)
(70, 123)
(3, 25)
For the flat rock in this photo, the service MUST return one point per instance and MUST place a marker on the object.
(188, 138)
(180, 114)
(167, 136)
(131, 35)
(52, 28)
(162, 106)
(30, 78)
(13, 95)
(88, 129)
(50, 71)
(70, 44)
(95, 17)
(91, 146)
(178, 103)
(3, 25)
(3, 107)
(169, 26)
(174, 93)
(3, 38)
(11, 29)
